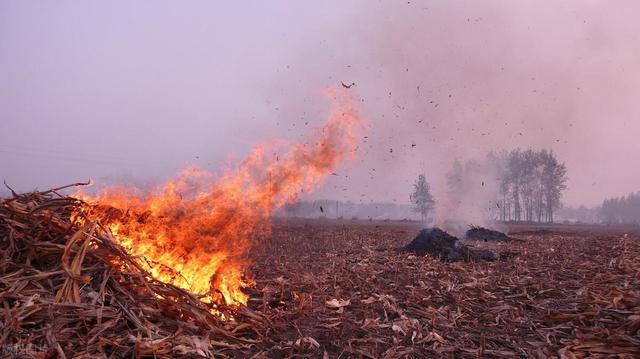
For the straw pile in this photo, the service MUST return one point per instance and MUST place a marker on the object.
(69, 290)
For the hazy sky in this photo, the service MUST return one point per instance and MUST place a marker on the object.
(128, 91)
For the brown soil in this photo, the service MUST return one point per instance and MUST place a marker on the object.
(570, 294)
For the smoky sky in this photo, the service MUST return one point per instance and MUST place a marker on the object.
(133, 91)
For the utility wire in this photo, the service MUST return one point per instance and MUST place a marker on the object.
(52, 155)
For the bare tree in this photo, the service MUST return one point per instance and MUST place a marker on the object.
(554, 179)
(422, 198)
(529, 183)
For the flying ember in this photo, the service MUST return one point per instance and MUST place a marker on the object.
(195, 230)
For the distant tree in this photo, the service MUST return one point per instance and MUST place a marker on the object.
(580, 214)
(625, 209)
(512, 180)
(455, 184)
(532, 185)
(554, 179)
(455, 177)
(422, 198)
(521, 185)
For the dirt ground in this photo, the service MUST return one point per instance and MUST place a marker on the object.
(338, 288)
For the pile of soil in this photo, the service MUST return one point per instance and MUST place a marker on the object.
(441, 244)
(486, 235)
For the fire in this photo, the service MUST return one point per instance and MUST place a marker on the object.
(195, 231)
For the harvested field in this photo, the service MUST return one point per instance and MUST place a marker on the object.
(573, 295)
(438, 243)
(323, 289)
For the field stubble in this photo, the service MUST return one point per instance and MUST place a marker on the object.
(322, 289)
(339, 288)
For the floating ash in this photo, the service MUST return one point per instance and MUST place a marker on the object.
(441, 244)
(476, 233)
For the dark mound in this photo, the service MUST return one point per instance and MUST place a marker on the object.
(433, 241)
(484, 234)
(448, 248)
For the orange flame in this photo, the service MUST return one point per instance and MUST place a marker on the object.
(195, 231)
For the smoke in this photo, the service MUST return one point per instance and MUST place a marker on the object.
(103, 92)
(473, 192)
(452, 80)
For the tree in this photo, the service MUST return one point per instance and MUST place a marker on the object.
(625, 209)
(519, 185)
(554, 179)
(532, 184)
(513, 180)
(422, 198)
(455, 178)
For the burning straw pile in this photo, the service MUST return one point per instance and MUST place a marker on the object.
(70, 290)
(68, 287)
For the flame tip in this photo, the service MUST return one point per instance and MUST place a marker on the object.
(195, 231)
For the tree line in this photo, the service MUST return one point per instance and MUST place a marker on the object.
(518, 185)
(619, 210)
(531, 185)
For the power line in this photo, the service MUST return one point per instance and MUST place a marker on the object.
(80, 159)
